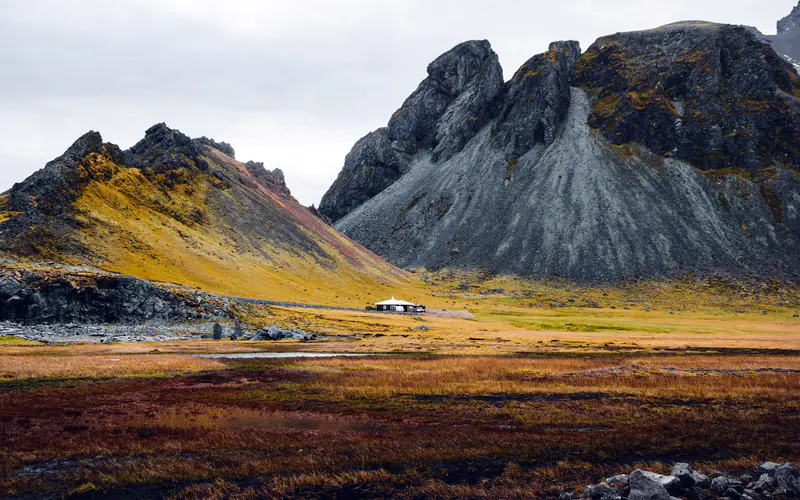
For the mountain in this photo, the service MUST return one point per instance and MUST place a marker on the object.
(787, 41)
(184, 210)
(654, 153)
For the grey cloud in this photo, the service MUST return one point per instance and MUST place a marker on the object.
(296, 93)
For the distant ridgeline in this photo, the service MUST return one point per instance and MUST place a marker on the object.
(653, 153)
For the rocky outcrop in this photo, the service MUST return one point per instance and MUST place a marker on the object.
(769, 480)
(270, 179)
(791, 22)
(451, 104)
(39, 210)
(276, 332)
(370, 167)
(537, 99)
(223, 147)
(442, 115)
(42, 298)
(655, 153)
(712, 95)
(314, 210)
(787, 41)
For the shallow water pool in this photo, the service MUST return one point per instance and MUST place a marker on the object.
(248, 355)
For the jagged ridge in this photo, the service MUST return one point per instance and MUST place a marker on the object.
(605, 180)
(183, 210)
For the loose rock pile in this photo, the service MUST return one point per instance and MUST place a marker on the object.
(770, 481)
(276, 332)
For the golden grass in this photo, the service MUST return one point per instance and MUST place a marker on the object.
(16, 341)
(673, 376)
(149, 234)
(50, 366)
(414, 426)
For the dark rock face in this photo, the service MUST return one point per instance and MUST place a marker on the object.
(50, 190)
(712, 95)
(452, 104)
(442, 115)
(164, 149)
(36, 299)
(643, 487)
(787, 42)
(319, 214)
(224, 147)
(537, 99)
(276, 332)
(271, 179)
(678, 152)
(371, 166)
(790, 22)
(41, 205)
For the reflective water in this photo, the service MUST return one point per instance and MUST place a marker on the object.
(248, 355)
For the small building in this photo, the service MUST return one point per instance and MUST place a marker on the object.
(394, 305)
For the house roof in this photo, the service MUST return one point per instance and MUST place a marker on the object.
(394, 302)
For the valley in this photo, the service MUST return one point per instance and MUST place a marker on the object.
(549, 387)
(577, 281)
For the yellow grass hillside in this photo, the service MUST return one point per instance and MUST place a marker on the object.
(133, 238)
(174, 209)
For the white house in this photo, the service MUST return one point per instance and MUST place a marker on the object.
(394, 305)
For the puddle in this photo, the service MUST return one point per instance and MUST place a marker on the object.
(250, 355)
(243, 418)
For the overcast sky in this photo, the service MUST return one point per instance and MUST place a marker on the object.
(291, 83)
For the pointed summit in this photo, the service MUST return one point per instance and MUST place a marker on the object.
(442, 115)
(787, 42)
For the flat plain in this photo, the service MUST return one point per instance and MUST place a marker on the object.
(548, 387)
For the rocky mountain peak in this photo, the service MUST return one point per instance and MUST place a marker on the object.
(223, 147)
(787, 42)
(159, 147)
(448, 108)
(451, 104)
(90, 142)
(537, 99)
(790, 22)
(653, 153)
(713, 95)
(451, 72)
(166, 148)
(52, 188)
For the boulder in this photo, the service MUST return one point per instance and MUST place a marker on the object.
(276, 332)
(617, 479)
(671, 483)
(767, 468)
(689, 477)
(644, 487)
(788, 478)
(764, 482)
(217, 331)
(9, 287)
(601, 491)
(720, 484)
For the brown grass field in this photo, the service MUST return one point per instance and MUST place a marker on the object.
(548, 388)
